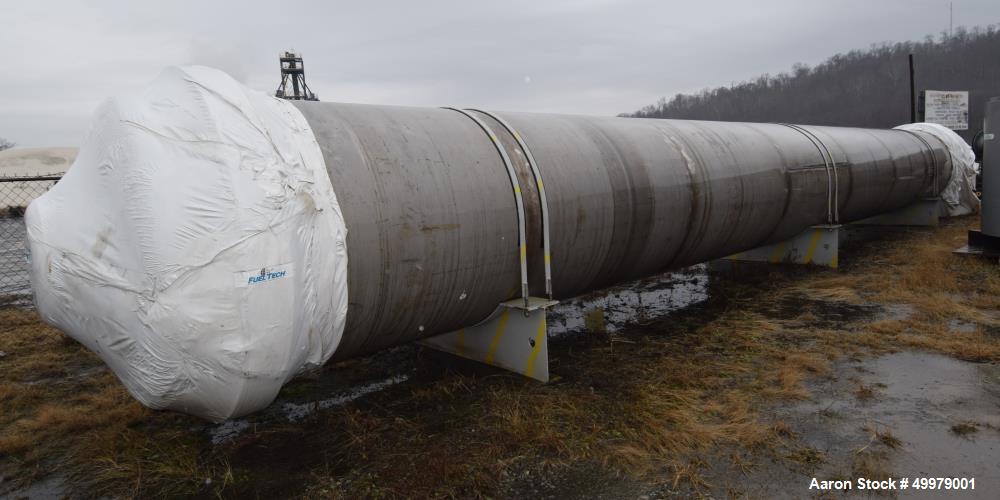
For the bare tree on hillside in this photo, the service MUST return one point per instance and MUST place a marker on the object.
(860, 88)
(5, 144)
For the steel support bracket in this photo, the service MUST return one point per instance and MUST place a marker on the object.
(818, 246)
(513, 338)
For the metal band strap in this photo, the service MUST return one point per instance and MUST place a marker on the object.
(522, 242)
(541, 196)
(836, 175)
(826, 165)
(832, 176)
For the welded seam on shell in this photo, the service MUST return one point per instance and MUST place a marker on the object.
(895, 168)
(693, 166)
(934, 165)
(787, 179)
(614, 256)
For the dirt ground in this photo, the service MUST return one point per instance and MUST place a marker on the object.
(716, 381)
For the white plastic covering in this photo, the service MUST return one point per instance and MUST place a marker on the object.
(959, 194)
(196, 245)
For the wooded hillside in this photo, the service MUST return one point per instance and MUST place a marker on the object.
(862, 88)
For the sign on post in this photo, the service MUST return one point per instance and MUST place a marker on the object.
(948, 108)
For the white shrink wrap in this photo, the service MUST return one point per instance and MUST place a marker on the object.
(959, 194)
(196, 245)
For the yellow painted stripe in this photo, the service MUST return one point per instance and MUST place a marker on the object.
(493, 137)
(833, 261)
(517, 136)
(779, 252)
(517, 189)
(541, 185)
(812, 245)
(548, 258)
(501, 326)
(524, 252)
(460, 345)
(529, 370)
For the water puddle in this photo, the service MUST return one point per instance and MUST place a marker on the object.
(50, 487)
(294, 412)
(635, 303)
(943, 416)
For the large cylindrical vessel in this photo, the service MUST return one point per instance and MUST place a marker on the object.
(431, 213)
(211, 242)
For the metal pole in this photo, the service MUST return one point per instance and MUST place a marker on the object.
(913, 96)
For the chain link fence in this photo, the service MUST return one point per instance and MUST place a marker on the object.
(16, 192)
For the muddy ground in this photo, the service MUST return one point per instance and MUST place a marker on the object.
(716, 381)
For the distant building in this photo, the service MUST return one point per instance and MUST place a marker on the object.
(36, 161)
(29, 162)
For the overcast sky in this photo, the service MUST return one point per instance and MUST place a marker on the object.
(62, 58)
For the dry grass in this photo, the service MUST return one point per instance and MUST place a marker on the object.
(883, 435)
(888, 439)
(701, 387)
(61, 409)
(873, 462)
(809, 458)
(864, 392)
(965, 428)
(871, 465)
(655, 405)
